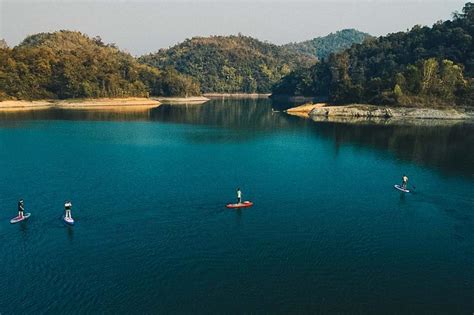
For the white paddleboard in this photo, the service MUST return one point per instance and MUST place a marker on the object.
(401, 188)
(69, 221)
(18, 219)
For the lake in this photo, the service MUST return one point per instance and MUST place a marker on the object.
(328, 232)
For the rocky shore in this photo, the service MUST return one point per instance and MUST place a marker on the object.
(361, 112)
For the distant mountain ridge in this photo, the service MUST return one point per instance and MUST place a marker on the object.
(322, 47)
(236, 64)
(68, 64)
(230, 64)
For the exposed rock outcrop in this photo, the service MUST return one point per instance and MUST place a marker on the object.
(361, 112)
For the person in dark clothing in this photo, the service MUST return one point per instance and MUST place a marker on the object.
(21, 208)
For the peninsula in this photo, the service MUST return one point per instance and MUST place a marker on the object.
(364, 112)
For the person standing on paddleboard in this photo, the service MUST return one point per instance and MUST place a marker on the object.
(21, 208)
(404, 182)
(239, 196)
(67, 208)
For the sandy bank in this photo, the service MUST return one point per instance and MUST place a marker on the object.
(24, 105)
(303, 110)
(360, 112)
(182, 100)
(100, 103)
(236, 95)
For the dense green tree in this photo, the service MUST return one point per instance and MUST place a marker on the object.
(230, 64)
(424, 66)
(69, 64)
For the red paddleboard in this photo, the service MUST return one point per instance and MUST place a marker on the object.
(244, 204)
(18, 219)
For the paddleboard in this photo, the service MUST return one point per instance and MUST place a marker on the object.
(401, 188)
(18, 219)
(69, 221)
(244, 204)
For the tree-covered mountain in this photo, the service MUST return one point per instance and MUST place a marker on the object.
(3, 43)
(230, 63)
(425, 66)
(322, 47)
(69, 64)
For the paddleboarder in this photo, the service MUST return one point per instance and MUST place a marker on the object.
(21, 208)
(404, 182)
(67, 208)
(239, 196)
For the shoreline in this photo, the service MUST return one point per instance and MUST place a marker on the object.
(182, 100)
(236, 95)
(99, 103)
(303, 110)
(297, 99)
(357, 113)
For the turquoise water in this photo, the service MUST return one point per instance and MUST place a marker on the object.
(328, 232)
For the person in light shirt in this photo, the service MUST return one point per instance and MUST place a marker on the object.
(239, 196)
(404, 181)
(67, 208)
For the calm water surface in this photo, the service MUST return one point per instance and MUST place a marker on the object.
(328, 232)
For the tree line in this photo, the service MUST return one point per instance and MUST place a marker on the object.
(68, 64)
(426, 66)
(230, 64)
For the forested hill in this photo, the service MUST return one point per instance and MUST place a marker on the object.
(322, 47)
(230, 63)
(425, 66)
(69, 64)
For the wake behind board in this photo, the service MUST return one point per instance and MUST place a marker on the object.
(245, 204)
(68, 221)
(18, 219)
(401, 188)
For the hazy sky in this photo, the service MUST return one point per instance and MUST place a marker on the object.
(145, 26)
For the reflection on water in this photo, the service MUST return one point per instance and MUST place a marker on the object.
(125, 114)
(445, 146)
(236, 114)
(70, 233)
